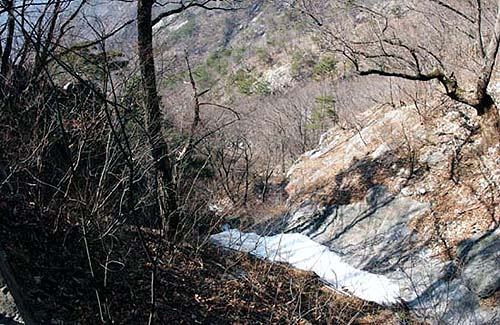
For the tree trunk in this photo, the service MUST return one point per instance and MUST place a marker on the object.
(486, 108)
(153, 118)
(9, 39)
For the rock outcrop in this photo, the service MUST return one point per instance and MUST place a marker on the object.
(412, 196)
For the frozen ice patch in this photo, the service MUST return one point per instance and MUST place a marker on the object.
(305, 254)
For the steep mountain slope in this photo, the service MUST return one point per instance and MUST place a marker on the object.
(413, 197)
(404, 191)
(400, 194)
(401, 190)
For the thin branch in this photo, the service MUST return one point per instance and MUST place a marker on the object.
(182, 7)
(196, 110)
(454, 10)
(479, 32)
(223, 107)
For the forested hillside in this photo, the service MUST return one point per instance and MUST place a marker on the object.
(249, 162)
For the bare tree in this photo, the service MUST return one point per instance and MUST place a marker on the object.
(159, 147)
(421, 41)
(9, 38)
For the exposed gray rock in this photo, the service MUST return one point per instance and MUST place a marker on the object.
(376, 226)
(278, 77)
(374, 235)
(482, 264)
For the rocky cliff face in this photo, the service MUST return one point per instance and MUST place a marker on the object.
(413, 196)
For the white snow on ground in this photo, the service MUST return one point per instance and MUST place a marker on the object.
(305, 254)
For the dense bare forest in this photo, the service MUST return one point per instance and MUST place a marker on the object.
(249, 162)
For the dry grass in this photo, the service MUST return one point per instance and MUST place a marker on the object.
(195, 284)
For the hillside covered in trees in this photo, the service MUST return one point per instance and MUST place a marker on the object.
(249, 162)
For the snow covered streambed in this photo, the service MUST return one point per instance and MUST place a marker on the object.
(305, 254)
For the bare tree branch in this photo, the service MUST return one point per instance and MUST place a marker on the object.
(182, 6)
